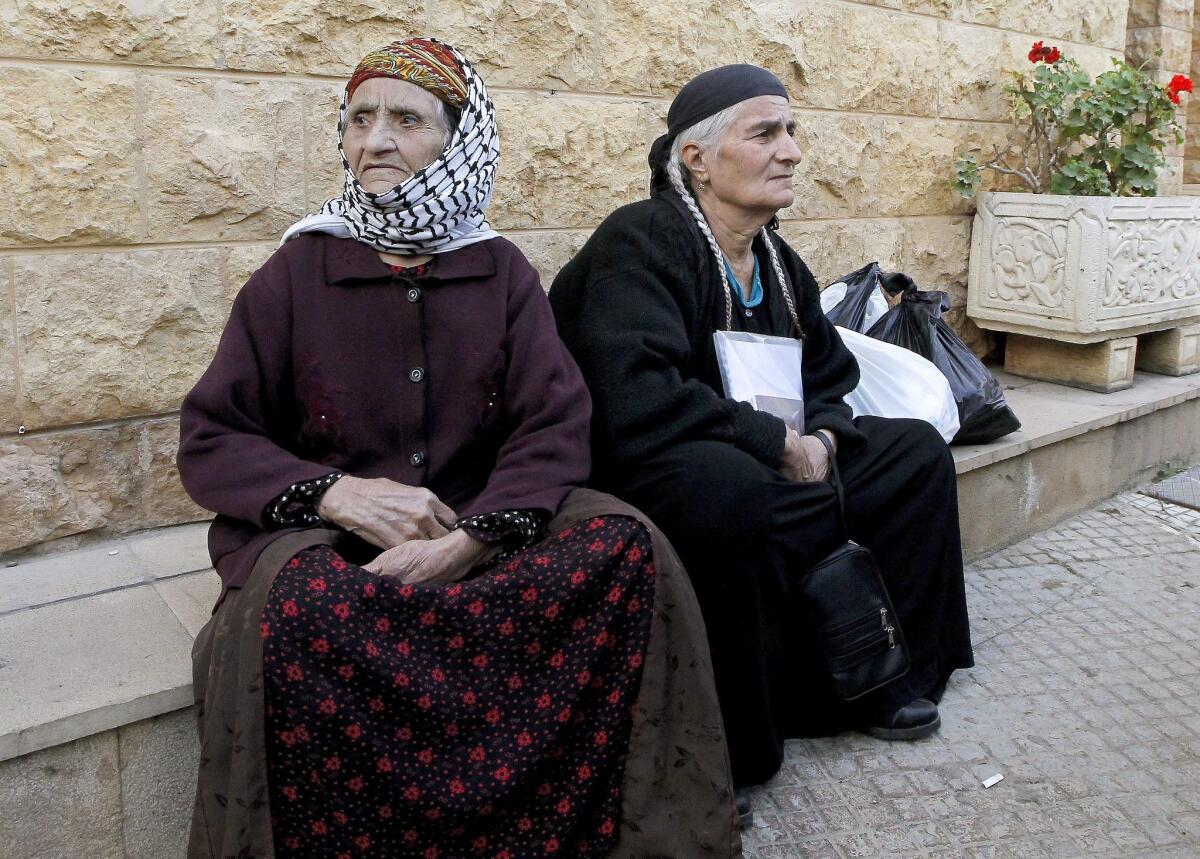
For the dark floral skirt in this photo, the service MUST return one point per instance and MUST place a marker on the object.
(490, 717)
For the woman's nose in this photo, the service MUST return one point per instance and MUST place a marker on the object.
(380, 139)
(791, 150)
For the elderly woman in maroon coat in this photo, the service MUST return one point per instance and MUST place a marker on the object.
(429, 643)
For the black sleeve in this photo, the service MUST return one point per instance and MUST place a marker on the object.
(511, 529)
(296, 506)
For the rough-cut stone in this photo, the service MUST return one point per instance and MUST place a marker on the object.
(1173, 353)
(654, 48)
(10, 418)
(1077, 20)
(232, 166)
(313, 36)
(105, 480)
(1143, 44)
(63, 801)
(1106, 366)
(549, 251)
(976, 65)
(566, 162)
(935, 254)
(1166, 13)
(323, 172)
(105, 336)
(68, 154)
(829, 248)
(241, 261)
(152, 32)
(158, 784)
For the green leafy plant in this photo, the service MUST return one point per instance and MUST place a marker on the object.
(1102, 137)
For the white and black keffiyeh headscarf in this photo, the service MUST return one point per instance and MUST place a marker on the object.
(439, 208)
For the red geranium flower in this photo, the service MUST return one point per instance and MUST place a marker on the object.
(317, 584)
(1178, 84)
(290, 608)
(342, 610)
(320, 645)
(1039, 53)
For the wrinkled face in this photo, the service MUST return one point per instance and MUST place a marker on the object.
(751, 167)
(393, 129)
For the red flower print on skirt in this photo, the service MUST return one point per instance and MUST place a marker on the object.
(489, 717)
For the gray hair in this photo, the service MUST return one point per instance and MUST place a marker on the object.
(707, 133)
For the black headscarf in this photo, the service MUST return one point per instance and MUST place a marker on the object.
(701, 97)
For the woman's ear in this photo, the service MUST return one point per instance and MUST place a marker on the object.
(692, 157)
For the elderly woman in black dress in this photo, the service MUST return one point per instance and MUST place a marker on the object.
(430, 642)
(744, 499)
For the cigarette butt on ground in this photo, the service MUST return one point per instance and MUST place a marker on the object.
(993, 779)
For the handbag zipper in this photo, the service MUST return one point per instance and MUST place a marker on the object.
(888, 628)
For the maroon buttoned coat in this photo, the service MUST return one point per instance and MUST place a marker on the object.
(455, 381)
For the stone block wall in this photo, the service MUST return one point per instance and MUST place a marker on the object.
(153, 152)
(1160, 36)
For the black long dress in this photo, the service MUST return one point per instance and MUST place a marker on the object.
(637, 308)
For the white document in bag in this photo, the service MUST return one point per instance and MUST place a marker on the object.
(763, 371)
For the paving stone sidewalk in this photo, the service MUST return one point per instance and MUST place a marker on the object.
(1085, 697)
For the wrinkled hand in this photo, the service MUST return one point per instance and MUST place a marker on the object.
(385, 513)
(431, 562)
(805, 459)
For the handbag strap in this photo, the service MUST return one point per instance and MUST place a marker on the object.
(835, 477)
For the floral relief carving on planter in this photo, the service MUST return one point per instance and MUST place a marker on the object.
(1084, 269)
(1029, 259)
(1152, 262)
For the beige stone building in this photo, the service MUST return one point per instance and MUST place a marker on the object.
(152, 152)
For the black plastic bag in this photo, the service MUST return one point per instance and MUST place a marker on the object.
(852, 310)
(916, 324)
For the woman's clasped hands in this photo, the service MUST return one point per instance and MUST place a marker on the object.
(409, 523)
(805, 459)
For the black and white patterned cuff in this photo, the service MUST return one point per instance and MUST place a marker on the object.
(296, 507)
(512, 529)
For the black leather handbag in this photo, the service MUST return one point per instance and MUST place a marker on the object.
(857, 625)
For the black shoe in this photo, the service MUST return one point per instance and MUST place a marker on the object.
(911, 722)
(745, 816)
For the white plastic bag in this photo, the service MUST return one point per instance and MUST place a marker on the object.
(763, 371)
(897, 383)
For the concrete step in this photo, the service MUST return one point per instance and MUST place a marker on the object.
(96, 727)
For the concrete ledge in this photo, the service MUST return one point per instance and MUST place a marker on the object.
(1075, 448)
(99, 638)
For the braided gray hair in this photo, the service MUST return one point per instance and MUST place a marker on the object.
(706, 133)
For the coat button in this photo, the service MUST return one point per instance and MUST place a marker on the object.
(417, 459)
(414, 295)
(416, 374)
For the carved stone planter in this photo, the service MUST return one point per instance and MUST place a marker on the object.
(1085, 270)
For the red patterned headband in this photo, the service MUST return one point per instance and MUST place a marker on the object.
(425, 62)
